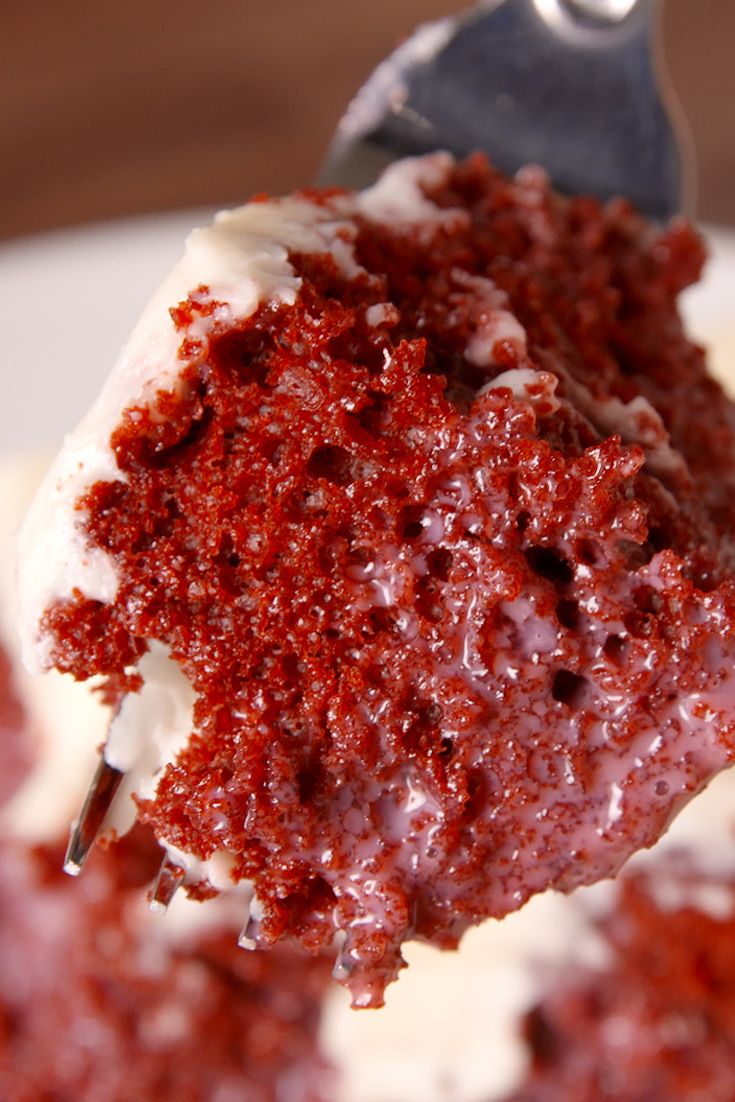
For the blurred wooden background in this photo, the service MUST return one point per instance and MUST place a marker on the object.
(109, 109)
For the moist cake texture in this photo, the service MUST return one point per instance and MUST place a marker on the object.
(429, 499)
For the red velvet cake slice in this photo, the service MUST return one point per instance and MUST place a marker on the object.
(401, 534)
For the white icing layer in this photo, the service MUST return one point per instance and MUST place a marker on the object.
(495, 324)
(398, 194)
(68, 723)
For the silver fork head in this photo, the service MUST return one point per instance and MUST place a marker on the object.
(572, 85)
(168, 880)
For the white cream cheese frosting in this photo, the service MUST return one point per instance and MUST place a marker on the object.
(68, 724)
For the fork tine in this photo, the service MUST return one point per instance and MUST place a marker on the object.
(105, 784)
(170, 877)
(250, 934)
(344, 963)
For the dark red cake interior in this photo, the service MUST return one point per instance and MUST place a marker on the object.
(451, 644)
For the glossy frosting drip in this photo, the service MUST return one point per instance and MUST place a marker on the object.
(452, 640)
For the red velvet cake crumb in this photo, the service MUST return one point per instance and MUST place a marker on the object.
(444, 550)
(100, 1002)
(658, 1023)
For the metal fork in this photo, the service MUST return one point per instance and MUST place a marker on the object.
(574, 85)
